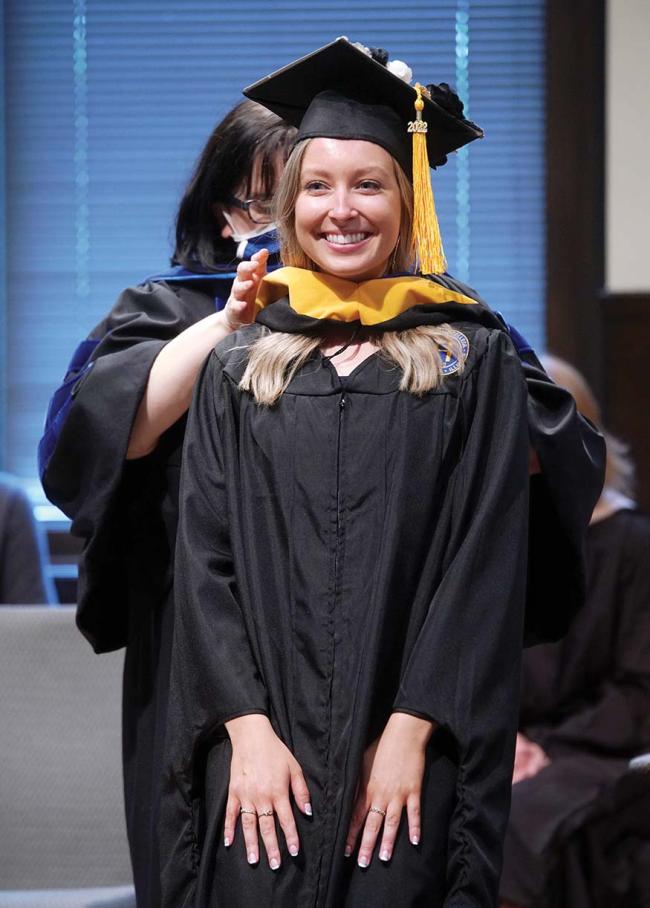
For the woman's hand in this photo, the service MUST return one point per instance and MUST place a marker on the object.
(261, 771)
(391, 779)
(240, 308)
(529, 759)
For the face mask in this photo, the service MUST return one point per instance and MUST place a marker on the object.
(250, 234)
(249, 244)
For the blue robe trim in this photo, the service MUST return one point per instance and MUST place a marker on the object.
(62, 399)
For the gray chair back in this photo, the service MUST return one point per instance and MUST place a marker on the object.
(61, 804)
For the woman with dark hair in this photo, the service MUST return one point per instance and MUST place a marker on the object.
(353, 535)
(239, 163)
(110, 456)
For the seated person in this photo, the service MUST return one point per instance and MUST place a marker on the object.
(22, 576)
(585, 709)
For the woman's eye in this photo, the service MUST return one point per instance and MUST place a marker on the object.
(369, 185)
(315, 186)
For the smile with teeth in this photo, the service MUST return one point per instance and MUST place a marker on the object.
(346, 239)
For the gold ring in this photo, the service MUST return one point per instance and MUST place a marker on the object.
(377, 810)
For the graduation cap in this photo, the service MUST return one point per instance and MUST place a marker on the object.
(341, 91)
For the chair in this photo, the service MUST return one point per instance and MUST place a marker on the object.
(62, 830)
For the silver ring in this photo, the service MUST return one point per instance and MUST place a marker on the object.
(377, 810)
(247, 810)
(265, 813)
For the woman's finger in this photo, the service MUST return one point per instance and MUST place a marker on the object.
(391, 825)
(266, 817)
(230, 823)
(300, 791)
(288, 825)
(414, 820)
(356, 822)
(261, 257)
(248, 816)
(240, 289)
(372, 828)
(245, 269)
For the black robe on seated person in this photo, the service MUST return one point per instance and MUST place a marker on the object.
(351, 551)
(579, 831)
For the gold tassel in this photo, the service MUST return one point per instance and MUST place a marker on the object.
(426, 239)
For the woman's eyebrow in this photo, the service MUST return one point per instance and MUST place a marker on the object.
(367, 170)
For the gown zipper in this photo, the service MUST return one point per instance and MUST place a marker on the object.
(320, 893)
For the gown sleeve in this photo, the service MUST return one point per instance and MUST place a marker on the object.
(83, 451)
(214, 669)
(571, 453)
(463, 669)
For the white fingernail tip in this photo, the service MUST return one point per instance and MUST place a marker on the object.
(275, 864)
(363, 862)
(415, 840)
(308, 809)
(252, 857)
(226, 841)
(384, 855)
(293, 851)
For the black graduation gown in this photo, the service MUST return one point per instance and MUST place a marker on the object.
(351, 551)
(126, 511)
(586, 701)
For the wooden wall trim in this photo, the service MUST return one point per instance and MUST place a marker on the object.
(575, 181)
(626, 397)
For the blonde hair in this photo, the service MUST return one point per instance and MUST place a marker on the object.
(275, 357)
(619, 470)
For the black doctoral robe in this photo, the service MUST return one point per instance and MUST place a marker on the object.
(576, 830)
(351, 551)
(126, 511)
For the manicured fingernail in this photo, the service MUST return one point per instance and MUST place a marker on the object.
(226, 841)
(384, 855)
(308, 809)
(274, 863)
(252, 857)
(363, 862)
(415, 840)
(348, 851)
(293, 850)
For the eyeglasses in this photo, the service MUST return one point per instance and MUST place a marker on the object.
(260, 211)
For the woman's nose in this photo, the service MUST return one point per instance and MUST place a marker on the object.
(342, 207)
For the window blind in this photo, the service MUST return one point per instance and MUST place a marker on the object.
(109, 103)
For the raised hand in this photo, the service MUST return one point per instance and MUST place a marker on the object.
(240, 308)
(391, 780)
(262, 772)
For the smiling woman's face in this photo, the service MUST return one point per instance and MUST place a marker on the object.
(347, 213)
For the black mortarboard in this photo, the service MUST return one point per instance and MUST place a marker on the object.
(341, 92)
